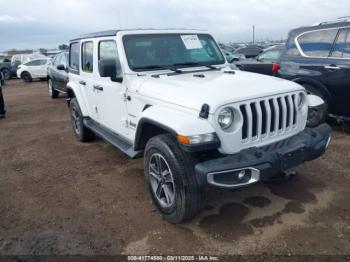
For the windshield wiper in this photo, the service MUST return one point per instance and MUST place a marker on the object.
(166, 67)
(196, 64)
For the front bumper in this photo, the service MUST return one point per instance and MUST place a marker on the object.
(260, 164)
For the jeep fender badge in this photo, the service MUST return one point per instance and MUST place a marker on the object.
(204, 113)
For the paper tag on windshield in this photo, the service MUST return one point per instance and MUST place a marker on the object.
(191, 41)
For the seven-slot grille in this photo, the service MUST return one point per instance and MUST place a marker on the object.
(268, 117)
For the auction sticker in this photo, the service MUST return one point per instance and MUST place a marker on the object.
(191, 41)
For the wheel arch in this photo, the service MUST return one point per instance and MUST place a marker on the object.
(73, 93)
(148, 128)
(157, 120)
(316, 84)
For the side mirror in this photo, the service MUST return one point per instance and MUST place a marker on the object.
(61, 67)
(108, 68)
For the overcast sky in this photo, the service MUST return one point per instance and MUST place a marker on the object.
(47, 23)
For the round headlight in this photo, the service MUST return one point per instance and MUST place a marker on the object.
(225, 118)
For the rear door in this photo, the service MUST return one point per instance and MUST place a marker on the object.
(315, 47)
(87, 77)
(62, 75)
(42, 69)
(82, 78)
(53, 71)
(34, 68)
(338, 72)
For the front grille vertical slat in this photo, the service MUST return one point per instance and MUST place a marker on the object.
(294, 97)
(269, 117)
(277, 114)
(249, 121)
(291, 111)
(284, 114)
(259, 116)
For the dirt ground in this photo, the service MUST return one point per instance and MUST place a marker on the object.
(59, 196)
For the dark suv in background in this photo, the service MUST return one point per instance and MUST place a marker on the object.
(57, 74)
(318, 57)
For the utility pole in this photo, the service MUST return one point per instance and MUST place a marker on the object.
(253, 34)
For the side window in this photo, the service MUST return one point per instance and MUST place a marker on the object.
(63, 60)
(107, 50)
(87, 58)
(339, 44)
(74, 56)
(56, 59)
(43, 62)
(34, 63)
(346, 52)
(317, 43)
(270, 55)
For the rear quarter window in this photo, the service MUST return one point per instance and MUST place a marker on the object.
(317, 43)
(74, 56)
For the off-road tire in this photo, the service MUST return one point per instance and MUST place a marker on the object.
(82, 133)
(187, 200)
(26, 77)
(6, 73)
(321, 112)
(53, 93)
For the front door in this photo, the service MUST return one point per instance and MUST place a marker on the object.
(110, 95)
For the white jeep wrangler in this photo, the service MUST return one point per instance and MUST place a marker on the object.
(172, 95)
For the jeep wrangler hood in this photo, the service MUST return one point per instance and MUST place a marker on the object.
(216, 88)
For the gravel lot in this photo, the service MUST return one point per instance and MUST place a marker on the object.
(59, 196)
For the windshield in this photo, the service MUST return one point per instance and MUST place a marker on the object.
(158, 51)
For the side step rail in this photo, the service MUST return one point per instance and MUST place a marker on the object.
(111, 138)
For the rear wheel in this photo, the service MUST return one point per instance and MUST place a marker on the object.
(317, 115)
(169, 174)
(26, 77)
(6, 73)
(80, 130)
(53, 93)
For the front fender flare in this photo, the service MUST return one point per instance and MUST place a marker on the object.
(79, 96)
(172, 121)
(180, 122)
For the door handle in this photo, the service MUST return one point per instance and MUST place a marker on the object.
(332, 67)
(83, 83)
(99, 88)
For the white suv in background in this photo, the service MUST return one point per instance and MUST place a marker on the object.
(171, 95)
(34, 69)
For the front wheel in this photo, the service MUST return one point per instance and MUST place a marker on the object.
(6, 73)
(169, 174)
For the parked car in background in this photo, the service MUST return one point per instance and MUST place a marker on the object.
(264, 63)
(249, 51)
(34, 69)
(2, 79)
(19, 59)
(5, 68)
(318, 58)
(57, 74)
(232, 57)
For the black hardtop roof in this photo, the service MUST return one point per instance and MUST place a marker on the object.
(319, 26)
(114, 32)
